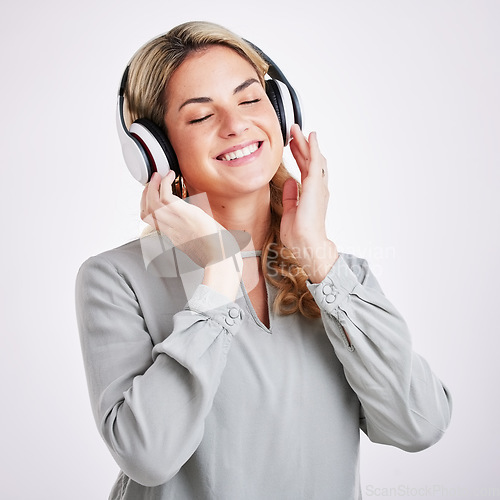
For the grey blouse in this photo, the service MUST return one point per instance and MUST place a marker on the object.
(197, 399)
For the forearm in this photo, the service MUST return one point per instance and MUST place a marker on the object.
(158, 422)
(404, 403)
(150, 402)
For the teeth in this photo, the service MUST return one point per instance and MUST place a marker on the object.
(240, 153)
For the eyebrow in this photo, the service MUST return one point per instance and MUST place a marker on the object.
(239, 88)
(245, 84)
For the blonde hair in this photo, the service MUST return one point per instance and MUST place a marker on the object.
(150, 71)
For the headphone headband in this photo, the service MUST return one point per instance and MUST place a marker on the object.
(275, 73)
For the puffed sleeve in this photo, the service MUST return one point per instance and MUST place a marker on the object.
(402, 402)
(150, 401)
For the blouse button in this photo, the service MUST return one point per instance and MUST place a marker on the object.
(330, 298)
(234, 313)
(327, 289)
(229, 321)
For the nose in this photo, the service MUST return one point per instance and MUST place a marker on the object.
(232, 123)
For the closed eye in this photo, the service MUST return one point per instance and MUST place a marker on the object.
(251, 102)
(199, 120)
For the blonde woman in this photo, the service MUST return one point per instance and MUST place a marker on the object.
(255, 382)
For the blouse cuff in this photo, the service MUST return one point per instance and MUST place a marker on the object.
(335, 287)
(217, 307)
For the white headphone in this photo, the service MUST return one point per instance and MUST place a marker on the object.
(146, 148)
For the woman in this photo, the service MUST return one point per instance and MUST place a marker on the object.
(255, 383)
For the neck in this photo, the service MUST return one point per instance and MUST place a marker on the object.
(251, 213)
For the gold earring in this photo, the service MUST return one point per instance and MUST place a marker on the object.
(179, 187)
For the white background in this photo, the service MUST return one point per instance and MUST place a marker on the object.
(405, 98)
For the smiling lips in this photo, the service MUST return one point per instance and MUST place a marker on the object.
(240, 153)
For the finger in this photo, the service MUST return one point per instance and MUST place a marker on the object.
(296, 152)
(290, 194)
(153, 193)
(313, 143)
(314, 149)
(144, 212)
(165, 190)
(299, 143)
(300, 151)
(318, 161)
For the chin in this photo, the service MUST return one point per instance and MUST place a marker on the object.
(254, 182)
(236, 183)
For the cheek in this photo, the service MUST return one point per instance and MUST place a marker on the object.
(187, 147)
(275, 127)
(276, 134)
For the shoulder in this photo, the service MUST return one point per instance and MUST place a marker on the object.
(129, 251)
(146, 253)
(139, 278)
(140, 265)
(125, 259)
(108, 269)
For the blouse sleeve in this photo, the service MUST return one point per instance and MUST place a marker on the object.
(150, 401)
(402, 402)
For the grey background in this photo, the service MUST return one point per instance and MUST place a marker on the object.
(404, 96)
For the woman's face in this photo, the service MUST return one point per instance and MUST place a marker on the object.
(221, 125)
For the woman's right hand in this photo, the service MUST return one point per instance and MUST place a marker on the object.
(190, 229)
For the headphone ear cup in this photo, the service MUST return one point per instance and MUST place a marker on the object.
(158, 149)
(134, 153)
(281, 99)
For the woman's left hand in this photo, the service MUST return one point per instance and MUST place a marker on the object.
(303, 228)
